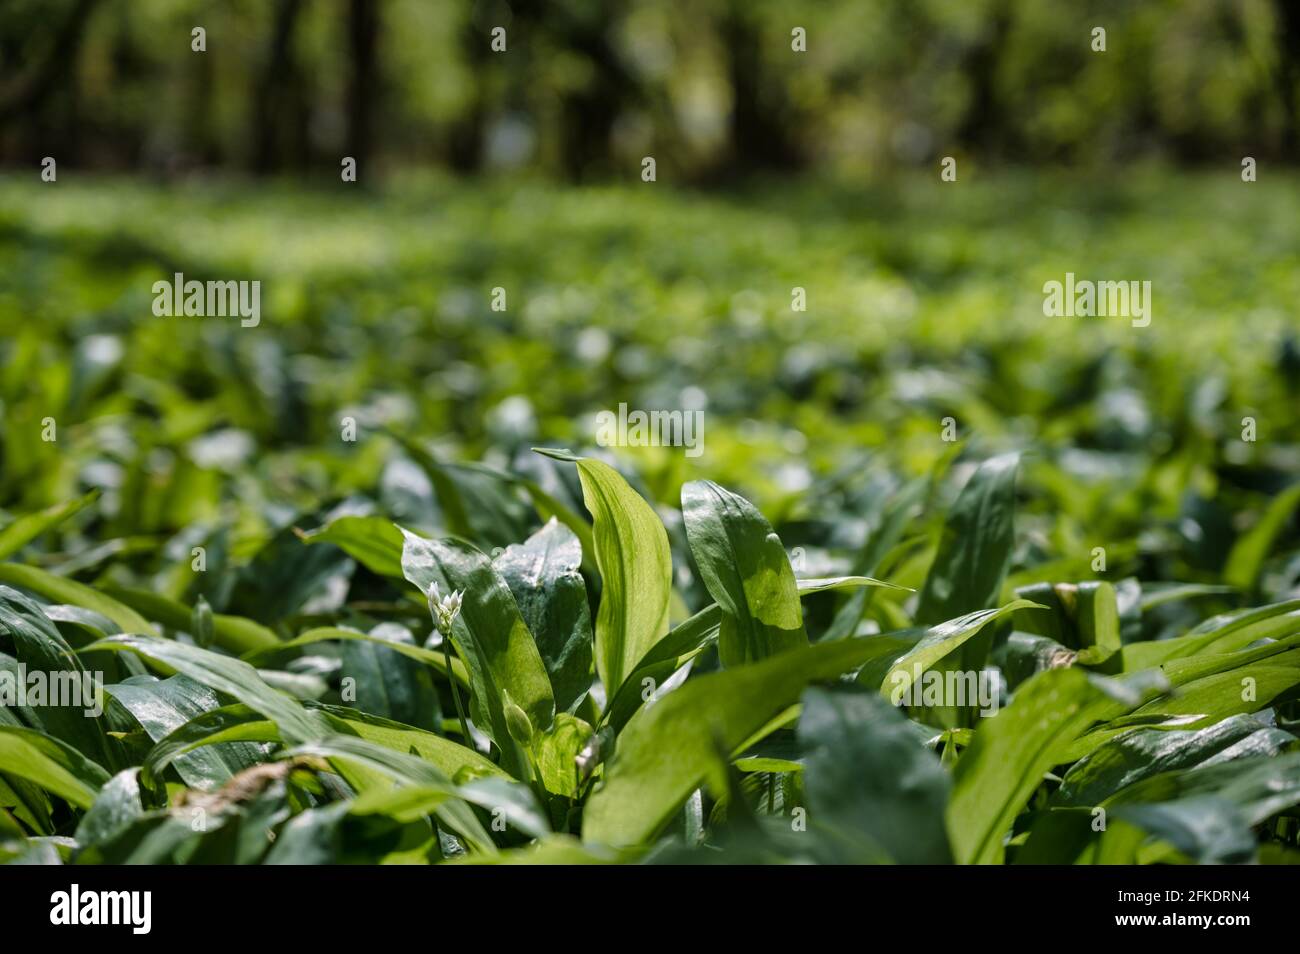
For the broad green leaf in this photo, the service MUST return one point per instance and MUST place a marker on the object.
(1249, 552)
(687, 639)
(28, 527)
(551, 851)
(1098, 616)
(1247, 689)
(635, 567)
(548, 588)
(975, 547)
(51, 764)
(284, 575)
(1208, 830)
(239, 723)
(1193, 692)
(683, 642)
(225, 674)
(452, 759)
(557, 754)
(387, 683)
(374, 542)
(406, 770)
(310, 837)
(505, 668)
(1259, 788)
(455, 669)
(1218, 635)
(746, 570)
(666, 750)
(1008, 755)
(161, 706)
(1023, 655)
(938, 643)
(235, 634)
(228, 724)
(1143, 753)
(115, 807)
(871, 786)
(62, 590)
(71, 709)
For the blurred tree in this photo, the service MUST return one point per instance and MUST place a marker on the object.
(585, 86)
(1288, 72)
(28, 90)
(363, 89)
(278, 107)
(763, 127)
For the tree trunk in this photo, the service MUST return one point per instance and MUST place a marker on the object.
(270, 92)
(363, 35)
(30, 88)
(1288, 73)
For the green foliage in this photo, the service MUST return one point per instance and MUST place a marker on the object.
(644, 656)
(1189, 748)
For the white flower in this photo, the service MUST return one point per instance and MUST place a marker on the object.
(445, 609)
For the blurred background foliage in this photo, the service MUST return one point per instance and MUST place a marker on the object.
(585, 89)
(776, 170)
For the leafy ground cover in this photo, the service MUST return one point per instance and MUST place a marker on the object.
(435, 642)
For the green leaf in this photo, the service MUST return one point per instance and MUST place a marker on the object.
(27, 528)
(406, 770)
(666, 749)
(221, 726)
(42, 650)
(746, 570)
(1259, 788)
(224, 674)
(1142, 753)
(548, 588)
(284, 575)
(871, 786)
(685, 641)
(63, 590)
(557, 754)
(310, 837)
(374, 542)
(975, 547)
(51, 764)
(1249, 552)
(388, 683)
(437, 660)
(820, 584)
(161, 706)
(635, 566)
(1217, 635)
(1007, 757)
(1207, 830)
(491, 637)
(233, 633)
(478, 503)
(1098, 616)
(938, 643)
(116, 806)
